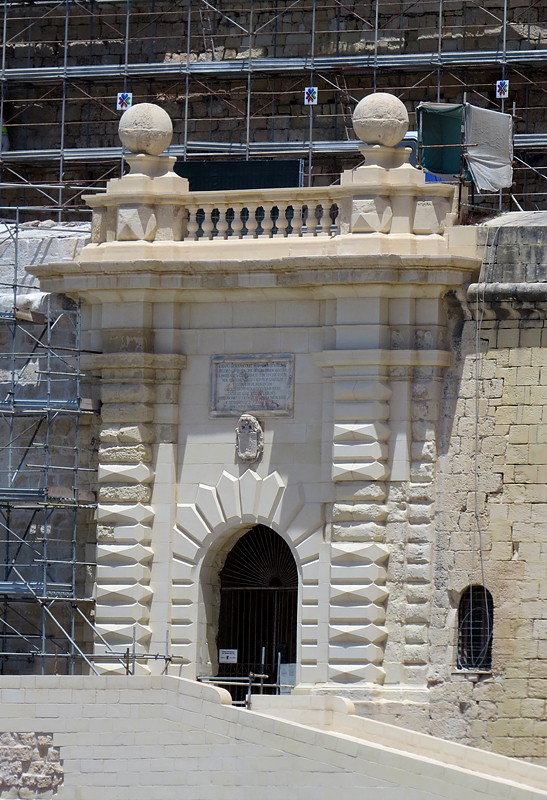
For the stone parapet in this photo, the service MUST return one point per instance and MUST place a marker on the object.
(386, 202)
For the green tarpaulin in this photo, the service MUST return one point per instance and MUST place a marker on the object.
(441, 124)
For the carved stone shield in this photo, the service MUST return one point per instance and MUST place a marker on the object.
(249, 438)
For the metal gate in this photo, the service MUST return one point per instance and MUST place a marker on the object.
(258, 609)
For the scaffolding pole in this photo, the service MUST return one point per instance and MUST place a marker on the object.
(134, 26)
(41, 542)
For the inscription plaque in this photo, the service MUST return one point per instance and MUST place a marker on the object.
(254, 384)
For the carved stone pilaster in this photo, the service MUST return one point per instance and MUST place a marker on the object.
(426, 383)
(379, 396)
(139, 393)
(356, 520)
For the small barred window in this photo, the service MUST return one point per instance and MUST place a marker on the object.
(475, 626)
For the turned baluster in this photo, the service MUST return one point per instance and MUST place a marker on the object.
(325, 221)
(297, 221)
(237, 223)
(252, 222)
(335, 215)
(308, 220)
(315, 216)
(267, 223)
(222, 224)
(281, 223)
(192, 227)
(208, 225)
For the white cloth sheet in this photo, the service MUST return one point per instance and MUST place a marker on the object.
(490, 162)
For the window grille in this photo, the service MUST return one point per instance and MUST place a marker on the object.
(475, 626)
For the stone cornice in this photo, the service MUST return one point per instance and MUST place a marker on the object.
(492, 292)
(387, 358)
(508, 300)
(122, 361)
(257, 261)
(325, 274)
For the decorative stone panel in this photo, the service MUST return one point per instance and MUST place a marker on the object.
(371, 214)
(136, 223)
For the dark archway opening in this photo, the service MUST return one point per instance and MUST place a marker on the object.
(258, 609)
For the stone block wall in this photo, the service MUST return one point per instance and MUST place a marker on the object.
(128, 736)
(494, 394)
(505, 539)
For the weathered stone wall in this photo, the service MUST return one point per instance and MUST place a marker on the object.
(98, 32)
(30, 766)
(503, 543)
(504, 711)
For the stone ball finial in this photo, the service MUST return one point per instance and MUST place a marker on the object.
(146, 128)
(380, 118)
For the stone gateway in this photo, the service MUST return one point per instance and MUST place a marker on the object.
(389, 406)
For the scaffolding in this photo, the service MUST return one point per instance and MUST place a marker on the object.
(48, 468)
(232, 76)
(45, 585)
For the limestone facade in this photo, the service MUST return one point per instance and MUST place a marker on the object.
(369, 473)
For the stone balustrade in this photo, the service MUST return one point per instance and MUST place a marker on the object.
(152, 204)
(268, 217)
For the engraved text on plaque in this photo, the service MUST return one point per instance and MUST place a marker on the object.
(254, 384)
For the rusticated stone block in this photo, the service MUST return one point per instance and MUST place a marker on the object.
(115, 493)
(424, 451)
(352, 532)
(415, 654)
(369, 512)
(129, 454)
(422, 472)
(29, 766)
(360, 491)
(416, 634)
(135, 433)
(127, 412)
(418, 553)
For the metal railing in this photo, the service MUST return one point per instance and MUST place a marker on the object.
(253, 680)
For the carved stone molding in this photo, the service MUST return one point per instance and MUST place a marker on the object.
(237, 503)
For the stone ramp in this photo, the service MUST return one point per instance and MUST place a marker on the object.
(164, 738)
(336, 715)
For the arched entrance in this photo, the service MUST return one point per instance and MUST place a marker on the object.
(258, 608)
